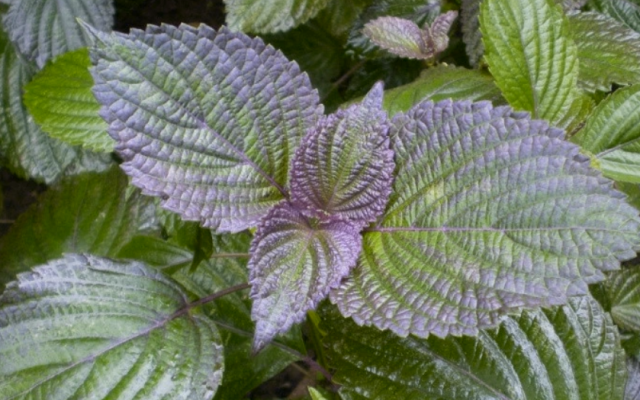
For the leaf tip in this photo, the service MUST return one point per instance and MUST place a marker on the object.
(373, 99)
(94, 35)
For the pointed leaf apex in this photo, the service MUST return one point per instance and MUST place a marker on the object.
(373, 99)
(94, 35)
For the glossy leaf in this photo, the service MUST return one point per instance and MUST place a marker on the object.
(26, 150)
(612, 134)
(609, 52)
(531, 56)
(211, 125)
(96, 213)
(404, 38)
(43, 29)
(568, 352)
(267, 17)
(294, 263)
(232, 313)
(623, 288)
(83, 326)
(440, 83)
(60, 100)
(471, 35)
(344, 167)
(490, 212)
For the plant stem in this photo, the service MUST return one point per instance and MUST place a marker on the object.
(343, 78)
(213, 296)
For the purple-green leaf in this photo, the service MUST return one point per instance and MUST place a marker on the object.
(404, 38)
(490, 212)
(206, 120)
(295, 261)
(344, 167)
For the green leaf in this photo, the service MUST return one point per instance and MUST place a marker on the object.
(623, 288)
(27, 151)
(569, 352)
(94, 213)
(609, 52)
(225, 268)
(392, 71)
(632, 191)
(43, 29)
(84, 326)
(317, 52)
(443, 82)
(531, 56)
(471, 35)
(490, 212)
(625, 11)
(272, 16)
(317, 394)
(612, 134)
(60, 100)
(338, 16)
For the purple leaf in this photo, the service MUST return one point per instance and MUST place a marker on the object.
(344, 167)
(399, 36)
(437, 36)
(206, 120)
(404, 38)
(294, 263)
(490, 212)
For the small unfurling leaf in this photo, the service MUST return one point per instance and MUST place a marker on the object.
(344, 167)
(404, 38)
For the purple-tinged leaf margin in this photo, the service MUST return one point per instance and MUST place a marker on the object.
(295, 261)
(344, 167)
(206, 120)
(491, 212)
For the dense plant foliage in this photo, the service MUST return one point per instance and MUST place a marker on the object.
(412, 199)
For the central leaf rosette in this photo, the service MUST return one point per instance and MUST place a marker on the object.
(477, 210)
(340, 181)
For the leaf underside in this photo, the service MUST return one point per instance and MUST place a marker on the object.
(344, 167)
(272, 16)
(569, 352)
(43, 29)
(206, 120)
(612, 134)
(609, 52)
(490, 212)
(60, 100)
(83, 326)
(295, 262)
(531, 56)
